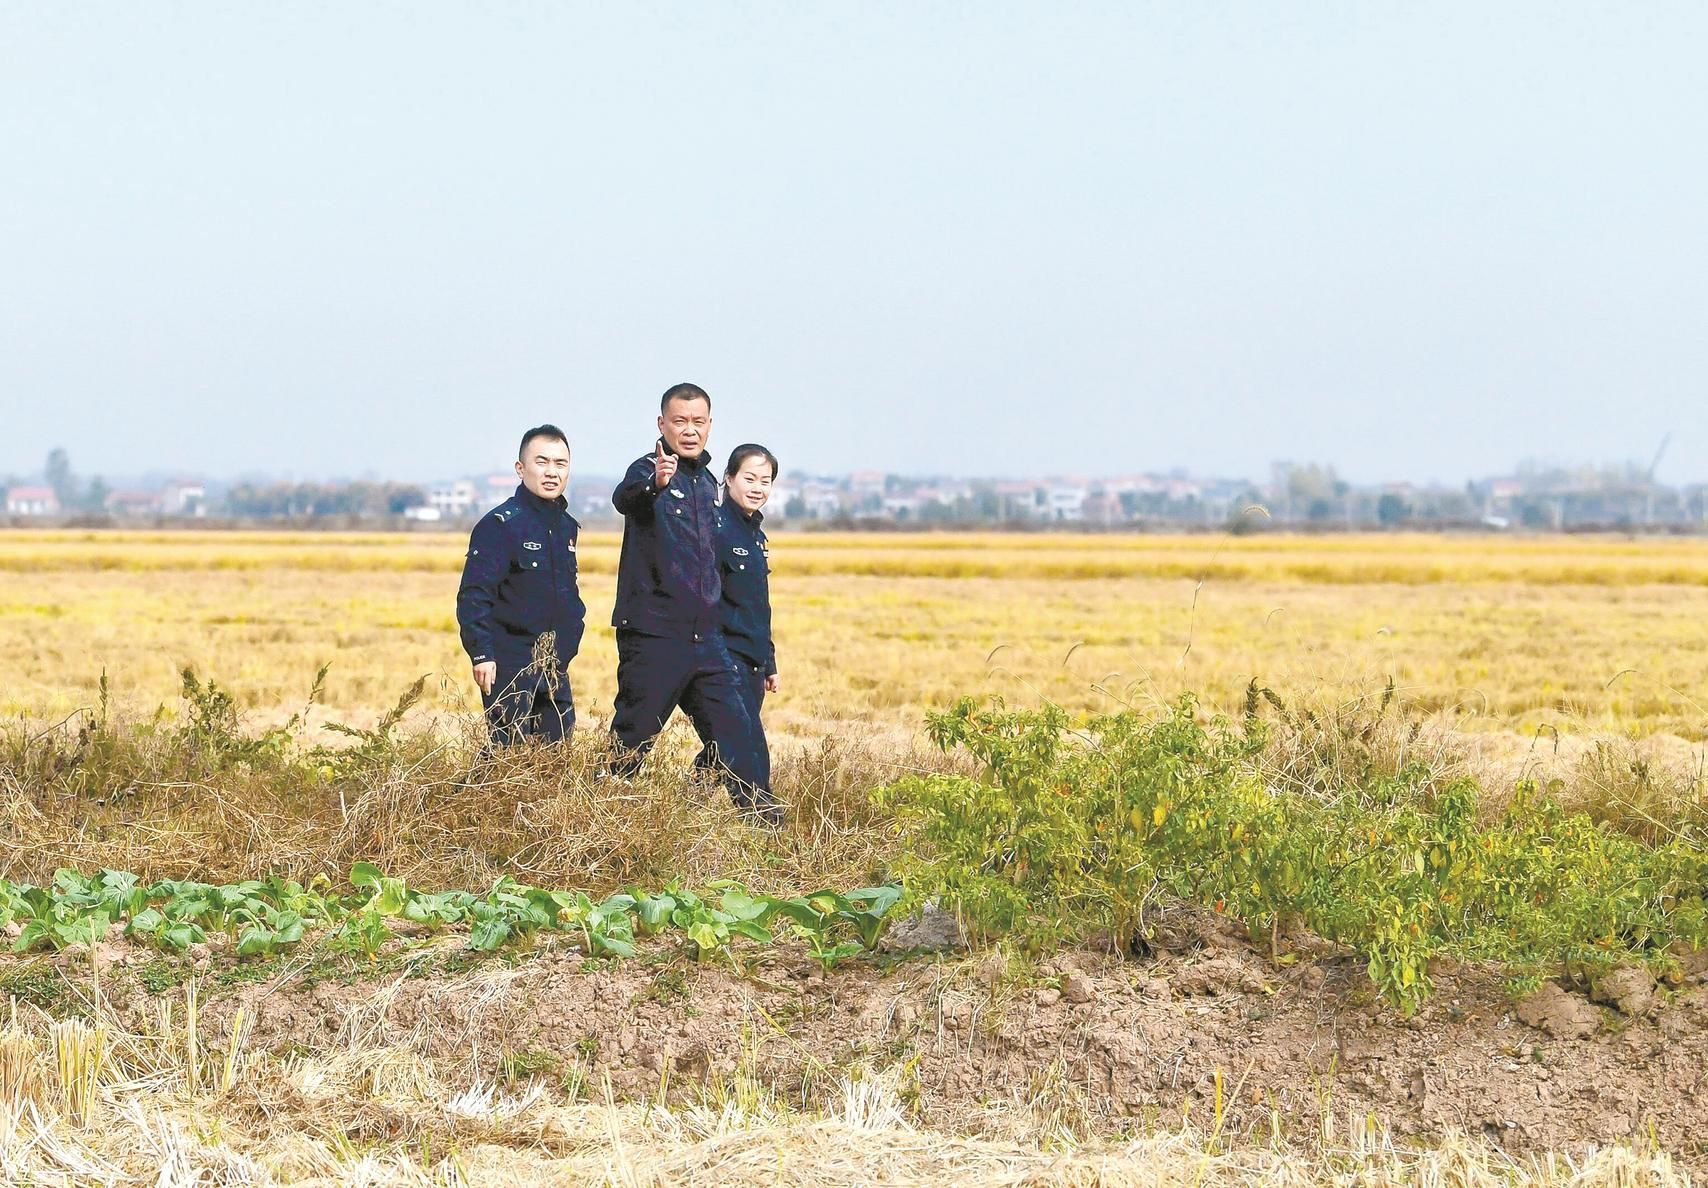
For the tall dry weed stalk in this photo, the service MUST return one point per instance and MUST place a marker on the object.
(543, 662)
(1623, 783)
(20, 1073)
(1328, 749)
(80, 1052)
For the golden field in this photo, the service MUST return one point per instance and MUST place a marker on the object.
(1576, 635)
(327, 1068)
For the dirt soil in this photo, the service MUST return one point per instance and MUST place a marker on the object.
(1114, 1043)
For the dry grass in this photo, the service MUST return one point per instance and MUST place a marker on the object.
(429, 807)
(357, 1113)
(1643, 791)
(1354, 558)
(1323, 748)
(1580, 636)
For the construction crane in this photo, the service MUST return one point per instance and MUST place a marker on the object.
(1649, 480)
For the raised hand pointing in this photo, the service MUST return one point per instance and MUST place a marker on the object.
(663, 468)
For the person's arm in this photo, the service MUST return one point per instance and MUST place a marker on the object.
(477, 594)
(577, 607)
(635, 495)
(771, 681)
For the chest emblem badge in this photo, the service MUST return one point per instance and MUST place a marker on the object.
(534, 545)
(677, 493)
(739, 552)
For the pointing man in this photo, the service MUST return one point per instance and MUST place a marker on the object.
(519, 582)
(670, 645)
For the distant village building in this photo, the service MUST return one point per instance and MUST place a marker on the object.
(591, 499)
(867, 482)
(134, 503)
(1020, 500)
(467, 498)
(931, 502)
(1135, 484)
(1101, 507)
(184, 497)
(903, 507)
(813, 498)
(866, 490)
(1065, 504)
(32, 501)
(454, 500)
(499, 487)
(1501, 501)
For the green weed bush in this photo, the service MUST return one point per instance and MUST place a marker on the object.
(1077, 828)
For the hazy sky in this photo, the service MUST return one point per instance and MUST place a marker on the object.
(1411, 240)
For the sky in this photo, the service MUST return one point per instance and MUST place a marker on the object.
(1414, 241)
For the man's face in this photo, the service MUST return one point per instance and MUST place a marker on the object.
(750, 486)
(685, 425)
(544, 466)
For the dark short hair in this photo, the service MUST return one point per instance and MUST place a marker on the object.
(551, 431)
(742, 453)
(684, 392)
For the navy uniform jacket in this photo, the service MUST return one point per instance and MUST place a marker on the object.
(667, 577)
(519, 582)
(746, 561)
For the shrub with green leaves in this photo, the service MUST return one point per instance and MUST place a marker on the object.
(1073, 828)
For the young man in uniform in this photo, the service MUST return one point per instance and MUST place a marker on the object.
(519, 583)
(670, 642)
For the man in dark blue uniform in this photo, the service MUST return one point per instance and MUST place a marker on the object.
(519, 585)
(670, 643)
(744, 556)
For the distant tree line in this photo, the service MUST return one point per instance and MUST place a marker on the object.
(300, 500)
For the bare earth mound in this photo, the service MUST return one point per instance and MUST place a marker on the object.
(1206, 1029)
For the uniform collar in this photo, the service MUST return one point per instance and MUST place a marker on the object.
(751, 518)
(544, 506)
(697, 461)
